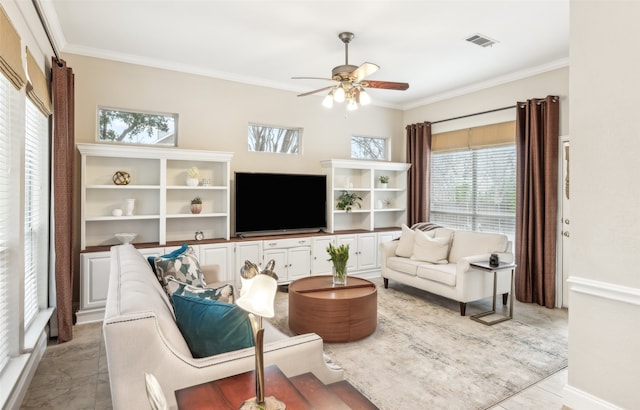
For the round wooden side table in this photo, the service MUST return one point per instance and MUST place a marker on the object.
(341, 313)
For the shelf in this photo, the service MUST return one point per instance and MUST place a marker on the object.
(362, 178)
(158, 186)
(120, 218)
(196, 188)
(200, 215)
(122, 187)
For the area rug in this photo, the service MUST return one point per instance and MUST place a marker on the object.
(423, 354)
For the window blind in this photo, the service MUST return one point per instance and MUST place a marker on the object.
(475, 189)
(35, 138)
(5, 166)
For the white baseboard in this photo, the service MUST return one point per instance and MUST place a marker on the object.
(89, 316)
(578, 399)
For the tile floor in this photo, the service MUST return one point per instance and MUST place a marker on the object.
(74, 375)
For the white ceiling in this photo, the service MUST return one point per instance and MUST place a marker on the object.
(267, 42)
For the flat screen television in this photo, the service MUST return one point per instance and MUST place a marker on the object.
(279, 203)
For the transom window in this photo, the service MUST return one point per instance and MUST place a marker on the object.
(267, 138)
(368, 148)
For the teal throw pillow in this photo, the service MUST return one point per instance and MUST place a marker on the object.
(222, 293)
(210, 327)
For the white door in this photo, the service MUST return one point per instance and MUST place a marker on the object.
(566, 222)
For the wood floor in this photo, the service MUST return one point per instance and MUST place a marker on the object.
(74, 375)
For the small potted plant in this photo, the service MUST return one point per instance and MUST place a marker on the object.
(193, 176)
(347, 200)
(196, 205)
(384, 180)
(339, 256)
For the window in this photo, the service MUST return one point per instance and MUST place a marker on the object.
(475, 189)
(6, 93)
(137, 127)
(35, 208)
(368, 148)
(265, 138)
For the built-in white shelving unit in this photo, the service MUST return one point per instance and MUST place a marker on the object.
(381, 206)
(162, 211)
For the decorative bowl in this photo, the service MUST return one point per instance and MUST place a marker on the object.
(126, 237)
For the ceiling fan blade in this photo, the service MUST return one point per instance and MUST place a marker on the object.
(365, 70)
(316, 91)
(387, 85)
(312, 78)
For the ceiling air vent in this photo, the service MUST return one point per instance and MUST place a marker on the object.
(481, 40)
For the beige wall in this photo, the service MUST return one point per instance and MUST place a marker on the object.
(214, 114)
(554, 82)
(604, 325)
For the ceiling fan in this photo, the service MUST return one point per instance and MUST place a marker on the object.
(350, 81)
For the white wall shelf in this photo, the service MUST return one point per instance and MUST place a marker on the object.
(380, 207)
(158, 185)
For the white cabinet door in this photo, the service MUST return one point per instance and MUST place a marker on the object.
(298, 262)
(367, 255)
(320, 263)
(280, 258)
(362, 251)
(352, 241)
(220, 254)
(95, 268)
(251, 251)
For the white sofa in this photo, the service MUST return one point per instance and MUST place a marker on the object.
(438, 261)
(141, 335)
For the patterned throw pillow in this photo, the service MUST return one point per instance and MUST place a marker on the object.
(221, 294)
(183, 267)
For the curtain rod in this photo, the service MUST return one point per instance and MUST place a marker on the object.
(36, 5)
(477, 113)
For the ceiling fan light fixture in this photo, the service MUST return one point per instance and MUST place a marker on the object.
(338, 95)
(364, 97)
(352, 106)
(328, 100)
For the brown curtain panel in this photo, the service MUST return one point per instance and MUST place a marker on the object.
(537, 128)
(419, 156)
(63, 162)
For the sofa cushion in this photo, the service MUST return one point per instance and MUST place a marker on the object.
(403, 265)
(211, 327)
(428, 249)
(405, 243)
(184, 267)
(445, 274)
(469, 243)
(222, 293)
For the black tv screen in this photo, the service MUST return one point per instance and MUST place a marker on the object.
(273, 202)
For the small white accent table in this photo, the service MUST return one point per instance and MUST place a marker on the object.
(484, 266)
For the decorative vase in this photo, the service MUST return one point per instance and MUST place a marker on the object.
(383, 185)
(192, 181)
(129, 206)
(339, 276)
(196, 208)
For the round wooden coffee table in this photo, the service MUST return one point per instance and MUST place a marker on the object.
(343, 313)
